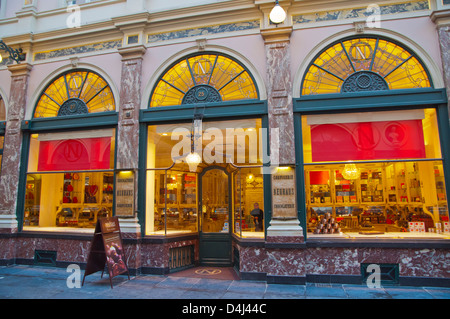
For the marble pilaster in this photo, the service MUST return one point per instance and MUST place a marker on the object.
(442, 20)
(9, 178)
(279, 87)
(128, 126)
(284, 225)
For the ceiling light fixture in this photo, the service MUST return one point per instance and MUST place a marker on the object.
(277, 15)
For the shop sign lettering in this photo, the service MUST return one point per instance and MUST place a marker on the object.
(125, 194)
(283, 193)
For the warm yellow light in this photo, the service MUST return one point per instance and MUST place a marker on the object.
(125, 173)
(1, 58)
(193, 158)
(277, 15)
(351, 171)
(283, 168)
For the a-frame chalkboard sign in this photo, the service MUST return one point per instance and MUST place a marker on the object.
(107, 248)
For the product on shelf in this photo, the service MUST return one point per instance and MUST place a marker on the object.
(327, 225)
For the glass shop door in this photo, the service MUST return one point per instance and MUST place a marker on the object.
(215, 223)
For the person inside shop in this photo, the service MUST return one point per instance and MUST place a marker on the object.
(258, 216)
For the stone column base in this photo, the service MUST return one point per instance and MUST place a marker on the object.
(284, 231)
(130, 226)
(8, 223)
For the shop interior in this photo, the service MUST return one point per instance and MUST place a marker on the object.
(375, 174)
(175, 187)
(401, 199)
(70, 181)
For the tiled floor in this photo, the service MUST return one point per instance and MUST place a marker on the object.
(28, 282)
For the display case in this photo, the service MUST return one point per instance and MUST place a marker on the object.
(86, 197)
(383, 197)
(32, 200)
(181, 197)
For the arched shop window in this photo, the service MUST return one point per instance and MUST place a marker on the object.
(371, 171)
(70, 175)
(362, 65)
(204, 78)
(74, 93)
(173, 191)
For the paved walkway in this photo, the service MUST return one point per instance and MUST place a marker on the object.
(36, 282)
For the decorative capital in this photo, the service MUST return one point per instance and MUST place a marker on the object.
(132, 52)
(275, 35)
(441, 17)
(20, 69)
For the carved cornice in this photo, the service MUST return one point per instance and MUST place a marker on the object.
(441, 17)
(20, 69)
(132, 52)
(279, 34)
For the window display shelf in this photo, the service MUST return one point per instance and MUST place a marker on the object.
(405, 191)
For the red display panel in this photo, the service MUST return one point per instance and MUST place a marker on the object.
(75, 154)
(367, 141)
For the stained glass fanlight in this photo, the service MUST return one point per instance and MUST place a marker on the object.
(73, 93)
(204, 78)
(364, 64)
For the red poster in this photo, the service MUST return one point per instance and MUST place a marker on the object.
(75, 154)
(367, 141)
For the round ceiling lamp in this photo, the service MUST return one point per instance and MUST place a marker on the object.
(277, 15)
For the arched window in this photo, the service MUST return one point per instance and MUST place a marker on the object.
(204, 78)
(73, 93)
(364, 64)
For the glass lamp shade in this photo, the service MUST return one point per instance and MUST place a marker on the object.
(351, 172)
(277, 15)
(193, 158)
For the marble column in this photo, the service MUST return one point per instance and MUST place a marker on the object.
(284, 225)
(9, 177)
(442, 20)
(128, 126)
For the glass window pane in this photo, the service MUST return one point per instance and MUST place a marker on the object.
(215, 202)
(374, 189)
(218, 143)
(72, 151)
(220, 73)
(84, 86)
(249, 203)
(67, 200)
(371, 136)
(393, 63)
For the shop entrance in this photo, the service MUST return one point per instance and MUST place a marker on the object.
(215, 206)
